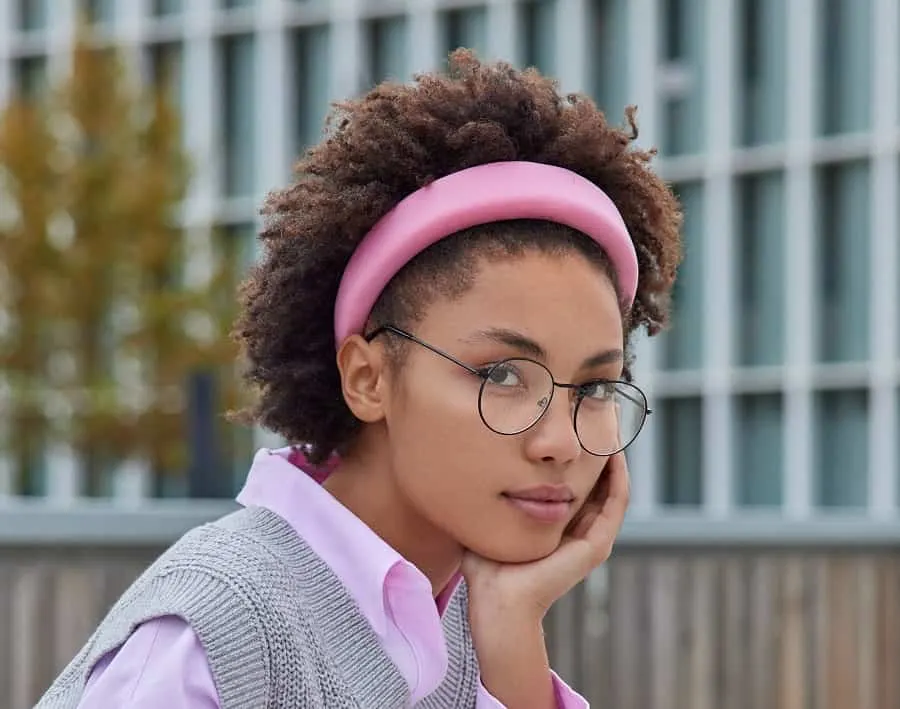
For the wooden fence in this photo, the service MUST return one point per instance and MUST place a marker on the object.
(674, 627)
(737, 629)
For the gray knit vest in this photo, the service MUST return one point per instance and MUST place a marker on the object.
(279, 629)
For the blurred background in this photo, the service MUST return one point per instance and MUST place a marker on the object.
(758, 566)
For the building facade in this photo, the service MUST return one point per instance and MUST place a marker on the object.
(775, 394)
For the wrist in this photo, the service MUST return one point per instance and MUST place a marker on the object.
(512, 660)
(501, 633)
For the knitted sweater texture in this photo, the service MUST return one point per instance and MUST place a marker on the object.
(279, 628)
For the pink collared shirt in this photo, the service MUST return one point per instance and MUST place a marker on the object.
(163, 664)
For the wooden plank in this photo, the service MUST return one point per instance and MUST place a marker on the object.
(662, 629)
(763, 600)
(595, 649)
(32, 634)
(838, 622)
(734, 632)
(76, 590)
(8, 646)
(702, 653)
(867, 622)
(793, 679)
(628, 624)
(664, 641)
(889, 631)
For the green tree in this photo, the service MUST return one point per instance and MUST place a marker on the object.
(98, 329)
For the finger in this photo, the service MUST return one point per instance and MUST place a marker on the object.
(608, 522)
(594, 535)
(592, 505)
(584, 521)
(601, 489)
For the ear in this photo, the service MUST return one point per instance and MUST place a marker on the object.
(362, 368)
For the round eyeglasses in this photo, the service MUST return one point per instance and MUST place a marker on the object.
(515, 394)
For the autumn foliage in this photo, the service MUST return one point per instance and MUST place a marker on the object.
(99, 327)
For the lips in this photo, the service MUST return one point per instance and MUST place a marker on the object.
(545, 503)
(543, 493)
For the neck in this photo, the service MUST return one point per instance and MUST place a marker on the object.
(364, 485)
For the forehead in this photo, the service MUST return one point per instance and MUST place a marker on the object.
(562, 301)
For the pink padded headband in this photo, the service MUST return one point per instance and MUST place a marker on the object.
(479, 195)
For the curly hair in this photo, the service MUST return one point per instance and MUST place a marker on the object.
(379, 149)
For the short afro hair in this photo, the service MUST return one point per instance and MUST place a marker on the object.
(381, 148)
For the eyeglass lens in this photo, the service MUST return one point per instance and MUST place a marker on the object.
(607, 416)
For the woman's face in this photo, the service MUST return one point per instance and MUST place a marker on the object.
(465, 479)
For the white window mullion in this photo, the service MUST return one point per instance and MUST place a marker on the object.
(275, 146)
(345, 50)
(504, 35)
(131, 480)
(63, 474)
(643, 26)
(425, 47)
(572, 44)
(203, 102)
(129, 18)
(884, 263)
(60, 29)
(8, 21)
(717, 258)
(800, 306)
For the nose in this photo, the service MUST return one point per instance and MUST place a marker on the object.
(553, 438)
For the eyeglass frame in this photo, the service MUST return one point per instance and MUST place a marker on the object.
(484, 375)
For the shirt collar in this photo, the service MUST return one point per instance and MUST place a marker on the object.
(283, 482)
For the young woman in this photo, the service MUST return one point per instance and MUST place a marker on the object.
(440, 326)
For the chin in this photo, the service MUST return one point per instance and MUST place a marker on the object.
(520, 552)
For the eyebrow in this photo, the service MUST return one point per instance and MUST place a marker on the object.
(528, 346)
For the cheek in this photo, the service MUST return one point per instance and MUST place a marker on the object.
(433, 414)
(443, 455)
(440, 442)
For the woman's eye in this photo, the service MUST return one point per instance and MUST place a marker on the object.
(599, 390)
(502, 375)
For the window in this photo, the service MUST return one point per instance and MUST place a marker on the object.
(236, 252)
(681, 451)
(31, 76)
(842, 260)
(845, 60)
(166, 7)
(761, 60)
(33, 14)
(99, 11)
(759, 270)
(681, 76)
(538, 23)
(841, 448)
(759, 450)
(608, 70)
(166, 68)
(28, 456)
(238, 65)
(683, 343)
(388, 55)
(311, 64)
(466, 28)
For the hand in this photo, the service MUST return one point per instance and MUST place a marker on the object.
(507, 602)
(531, 588)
